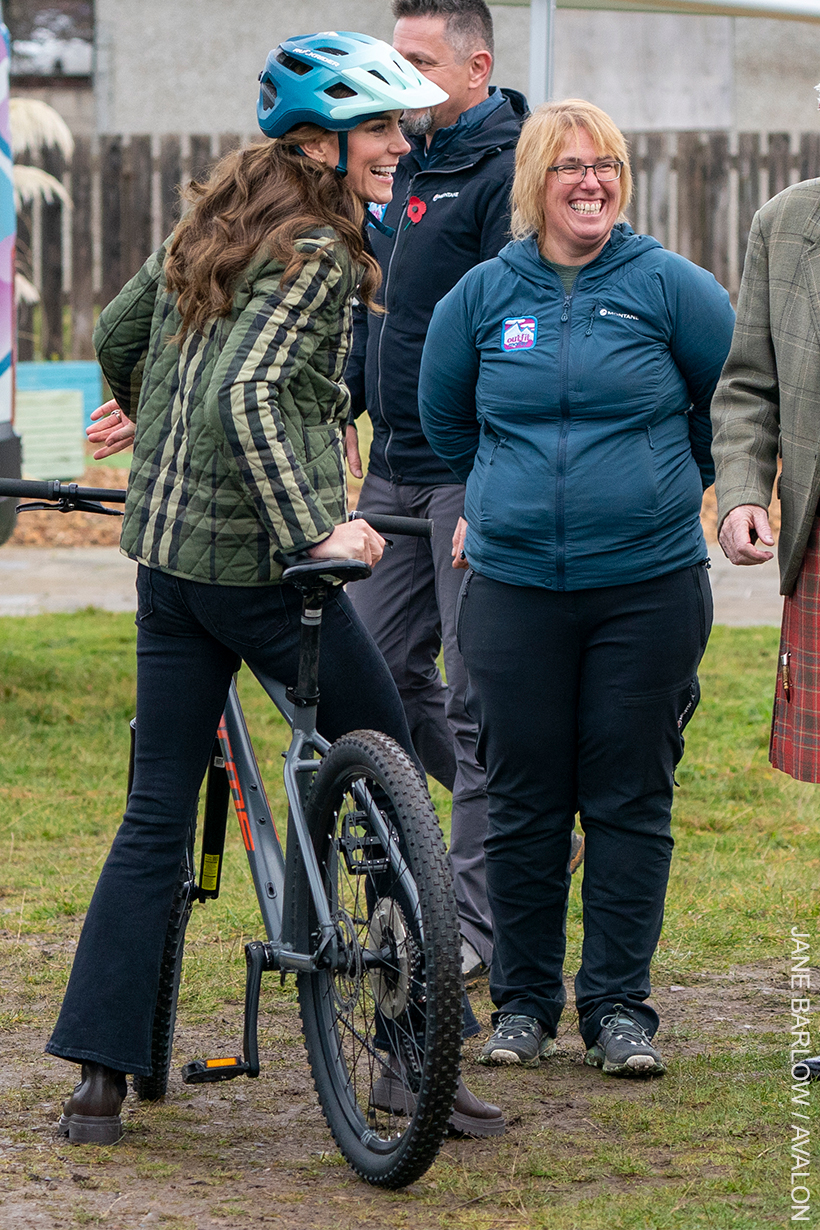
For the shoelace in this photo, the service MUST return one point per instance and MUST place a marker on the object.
(622, 1025)
(514, 1026)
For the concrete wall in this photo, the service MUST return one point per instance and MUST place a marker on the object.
(191, 65)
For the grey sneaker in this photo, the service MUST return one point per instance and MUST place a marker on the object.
(518, 1039)
(623, 1048)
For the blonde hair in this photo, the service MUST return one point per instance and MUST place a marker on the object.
(543, 137)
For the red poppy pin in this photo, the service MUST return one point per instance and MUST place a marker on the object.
(416, 209)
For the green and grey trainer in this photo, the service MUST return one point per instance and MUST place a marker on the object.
(623, 1047)
(518, 1039)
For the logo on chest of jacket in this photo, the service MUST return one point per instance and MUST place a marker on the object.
(622, 315)
(440, 196)
(519, 333)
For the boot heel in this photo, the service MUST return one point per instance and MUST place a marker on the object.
(92, 1129)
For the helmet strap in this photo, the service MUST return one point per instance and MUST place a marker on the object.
(374, 220)
(341, 166)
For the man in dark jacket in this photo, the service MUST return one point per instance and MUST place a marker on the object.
(450, 211)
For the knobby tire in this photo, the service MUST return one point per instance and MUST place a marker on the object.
(151, 1088)
(396, 997)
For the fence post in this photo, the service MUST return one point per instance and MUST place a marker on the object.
(111, 216)
(82, 256)
(779, 162)
(52, 277)
(748, 192)
(136, 206)
(170, 177)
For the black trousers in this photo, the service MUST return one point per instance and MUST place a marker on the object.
(581, 699)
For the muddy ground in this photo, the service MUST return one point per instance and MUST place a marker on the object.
(258, 1152)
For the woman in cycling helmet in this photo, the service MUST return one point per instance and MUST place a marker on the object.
(227, 350)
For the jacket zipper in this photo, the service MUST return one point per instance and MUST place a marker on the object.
(561, 463)
(399, 233)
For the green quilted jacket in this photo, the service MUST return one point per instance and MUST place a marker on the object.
(238, 453)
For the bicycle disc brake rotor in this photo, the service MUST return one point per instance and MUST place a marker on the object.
(388, 935)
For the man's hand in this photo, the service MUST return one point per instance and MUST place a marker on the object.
(354, 461)
(459, 558)
(110, 428)
(351, 540)
(743, 527)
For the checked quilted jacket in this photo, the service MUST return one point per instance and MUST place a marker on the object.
(238, 453)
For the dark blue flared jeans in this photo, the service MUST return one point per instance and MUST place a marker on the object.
(191, 638)
(581, 699)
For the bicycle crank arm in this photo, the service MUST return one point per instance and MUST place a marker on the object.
(258, 958)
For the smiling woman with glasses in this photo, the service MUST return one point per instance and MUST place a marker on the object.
(568, 383)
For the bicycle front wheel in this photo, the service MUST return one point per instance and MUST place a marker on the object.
(382, 1023)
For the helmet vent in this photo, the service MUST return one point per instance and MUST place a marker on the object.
(340, 91)
(333, 51)
(375, 73)
(295, 66)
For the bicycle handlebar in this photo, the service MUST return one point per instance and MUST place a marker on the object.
(55, 491)
(382, 523)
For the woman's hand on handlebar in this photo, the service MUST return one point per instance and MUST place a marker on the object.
(351, 540)
(111, 429)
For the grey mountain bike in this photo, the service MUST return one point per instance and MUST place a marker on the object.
(359, 907)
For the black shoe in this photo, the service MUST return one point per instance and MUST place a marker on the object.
(91, 1116)
(518, 1039)
(471, 1116)
(623, 1047)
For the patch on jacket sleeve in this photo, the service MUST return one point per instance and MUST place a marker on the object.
(519, 333)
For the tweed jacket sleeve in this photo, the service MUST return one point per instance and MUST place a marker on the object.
(746, 405)
(275, 339)
(768, 398)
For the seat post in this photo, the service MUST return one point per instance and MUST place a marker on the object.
(306, 692)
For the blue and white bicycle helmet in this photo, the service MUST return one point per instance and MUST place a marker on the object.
(337, 79)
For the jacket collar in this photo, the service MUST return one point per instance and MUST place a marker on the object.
(494, 123)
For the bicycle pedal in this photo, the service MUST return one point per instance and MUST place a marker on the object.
(209, 1071)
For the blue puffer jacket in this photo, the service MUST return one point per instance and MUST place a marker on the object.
(580, 422)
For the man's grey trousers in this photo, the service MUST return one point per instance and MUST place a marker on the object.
(409, 608)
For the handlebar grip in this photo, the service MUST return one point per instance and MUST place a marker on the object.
(28, 488)
(53, 489)
(382, 523)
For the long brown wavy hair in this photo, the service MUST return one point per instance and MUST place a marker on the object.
(259, 201)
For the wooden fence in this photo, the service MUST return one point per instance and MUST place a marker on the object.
(694, 191)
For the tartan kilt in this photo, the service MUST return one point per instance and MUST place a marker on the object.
(795, 740)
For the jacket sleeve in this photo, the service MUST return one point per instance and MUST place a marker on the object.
(447, 384)
(271, 341)
(123, 330)
(746, 405)
(702, 321)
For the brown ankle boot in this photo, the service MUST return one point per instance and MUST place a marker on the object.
(91, 1116)
(471, 1116)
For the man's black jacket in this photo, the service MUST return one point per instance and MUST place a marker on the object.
(450, 210)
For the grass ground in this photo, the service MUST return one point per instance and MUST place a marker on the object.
(706, 1146)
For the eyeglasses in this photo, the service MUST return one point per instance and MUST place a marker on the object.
(606, 169)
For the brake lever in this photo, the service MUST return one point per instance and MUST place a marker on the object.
(67, 505)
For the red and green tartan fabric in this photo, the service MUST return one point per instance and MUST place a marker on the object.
(795, 741)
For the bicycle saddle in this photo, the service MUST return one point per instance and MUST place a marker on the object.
(316, 574)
